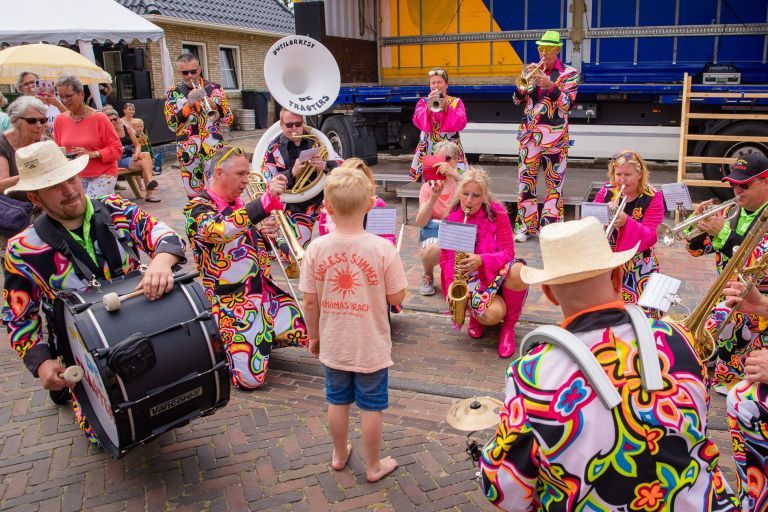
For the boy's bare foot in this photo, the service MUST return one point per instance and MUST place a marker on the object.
(339, 463)
(385, 467)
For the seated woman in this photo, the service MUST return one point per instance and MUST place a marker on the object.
(133, 157)
(325, 222)
(496, 293)
(146, 145)
(638, 221)
(434, 202)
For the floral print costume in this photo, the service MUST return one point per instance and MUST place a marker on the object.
(543, 137)
(436, 127)
(197, 137)
(558, 447)
(35, 273)
(748, 423)
(743, 333)
(254, 314)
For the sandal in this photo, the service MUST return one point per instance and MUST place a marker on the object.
(152, 199)
(152, 185)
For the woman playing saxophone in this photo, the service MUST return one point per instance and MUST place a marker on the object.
(492, 273)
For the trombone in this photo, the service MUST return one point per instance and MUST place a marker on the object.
(617, 206)
(670, 234)
(524, 80)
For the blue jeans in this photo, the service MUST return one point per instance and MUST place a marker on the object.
(368, 390)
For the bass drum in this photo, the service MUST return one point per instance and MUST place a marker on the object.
(260, 153)
(148, 367)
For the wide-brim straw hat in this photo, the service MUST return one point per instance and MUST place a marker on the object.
(42, 165)
(573, 251)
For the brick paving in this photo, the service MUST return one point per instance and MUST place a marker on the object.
(270, 449)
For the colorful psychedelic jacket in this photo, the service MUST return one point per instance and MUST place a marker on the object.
(545, 118)
(558, 447)
(196, 130)
(35, 273)
(277, 160)
(227, 248)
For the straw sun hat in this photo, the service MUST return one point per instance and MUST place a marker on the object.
(573, 251)
(42, 165)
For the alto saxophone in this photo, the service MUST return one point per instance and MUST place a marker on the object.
(459, 289)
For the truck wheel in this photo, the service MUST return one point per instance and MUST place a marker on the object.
(351, 137)
(733, 150)
(472, 158)
(407, 137)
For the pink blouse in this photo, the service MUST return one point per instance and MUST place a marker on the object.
(643, 230)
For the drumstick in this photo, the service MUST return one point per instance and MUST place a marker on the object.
(400, 237)
(73, 374)
(112, 300)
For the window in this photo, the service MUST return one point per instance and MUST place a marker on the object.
(198, 50)
(230, 64)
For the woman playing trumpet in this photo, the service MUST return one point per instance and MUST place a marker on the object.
(637, 222)
(496, 293)
(444, 123)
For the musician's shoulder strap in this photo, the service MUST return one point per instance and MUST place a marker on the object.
(580, 354)
(650, 368)
(84, 267)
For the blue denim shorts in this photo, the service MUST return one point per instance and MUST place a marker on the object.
(368, 390)
(125, 161)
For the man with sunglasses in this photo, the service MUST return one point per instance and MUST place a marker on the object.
(749, 181)
(232, 256)
(198, 135)
(543, 136)
(282, 158)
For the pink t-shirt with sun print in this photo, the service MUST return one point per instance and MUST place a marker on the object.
(352, 276)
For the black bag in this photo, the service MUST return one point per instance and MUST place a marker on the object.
(14, 215)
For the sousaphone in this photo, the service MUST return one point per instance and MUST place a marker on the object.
(302, 75)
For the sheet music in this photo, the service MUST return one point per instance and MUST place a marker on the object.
(457, 236)
(675, 193)
(659, 292)
(601, 211)
(381, 221)
(307, 154)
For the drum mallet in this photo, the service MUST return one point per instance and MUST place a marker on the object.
(73, 374)
(112, 301)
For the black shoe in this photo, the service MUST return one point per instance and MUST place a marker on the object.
(60, 396)
(157, 172)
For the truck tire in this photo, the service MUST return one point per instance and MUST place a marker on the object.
(407, 137)
(733, 149)
(351, 137)
(472, 158)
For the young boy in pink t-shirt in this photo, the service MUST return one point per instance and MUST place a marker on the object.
(349, 277)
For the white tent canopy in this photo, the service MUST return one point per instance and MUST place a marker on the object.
(80, 22)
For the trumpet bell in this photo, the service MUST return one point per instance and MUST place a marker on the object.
(302, 75)
(522, 82)
(666, 235)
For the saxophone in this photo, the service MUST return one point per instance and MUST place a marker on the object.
(458, 290)
(704, 343)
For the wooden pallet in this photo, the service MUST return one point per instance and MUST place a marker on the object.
(684, 158)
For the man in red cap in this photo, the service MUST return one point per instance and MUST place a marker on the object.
(749, 181)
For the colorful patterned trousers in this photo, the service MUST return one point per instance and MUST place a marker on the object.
(736, 341)
(193, 160)
(748, 424)
(553, 161)
(252, 324)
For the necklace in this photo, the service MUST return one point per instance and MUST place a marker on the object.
(83, 115)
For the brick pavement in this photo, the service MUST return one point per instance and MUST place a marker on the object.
(270, 449)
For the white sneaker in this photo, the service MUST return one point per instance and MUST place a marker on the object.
(521, 237)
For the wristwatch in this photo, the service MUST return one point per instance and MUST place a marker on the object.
(98, 155)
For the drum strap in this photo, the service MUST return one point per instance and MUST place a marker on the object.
(55, 235)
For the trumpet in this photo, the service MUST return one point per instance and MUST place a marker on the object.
(436, 104)
(255, 188)
(459, 289)
(617, 206)
(669, 235)
(524, 80)
(211, 112)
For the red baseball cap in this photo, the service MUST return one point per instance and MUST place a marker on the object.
(748, 168)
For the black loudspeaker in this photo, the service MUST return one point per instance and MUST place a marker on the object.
(134, 59)
(133, 85)
(309, 19)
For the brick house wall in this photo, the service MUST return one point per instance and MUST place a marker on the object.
(252, 50)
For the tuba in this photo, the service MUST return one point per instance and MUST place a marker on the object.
(459, 289)
(704, 343)
(303, 77)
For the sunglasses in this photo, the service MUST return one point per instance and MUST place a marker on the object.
(188, 72)
(234, 150)
(113, 119)
(35, 120)
(629, 155)
(297, 124)
(743, 186)
(438, 72)
(448, 158)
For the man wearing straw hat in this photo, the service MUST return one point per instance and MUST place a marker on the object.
(92, 239)
(547, 99)
(610, 412)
